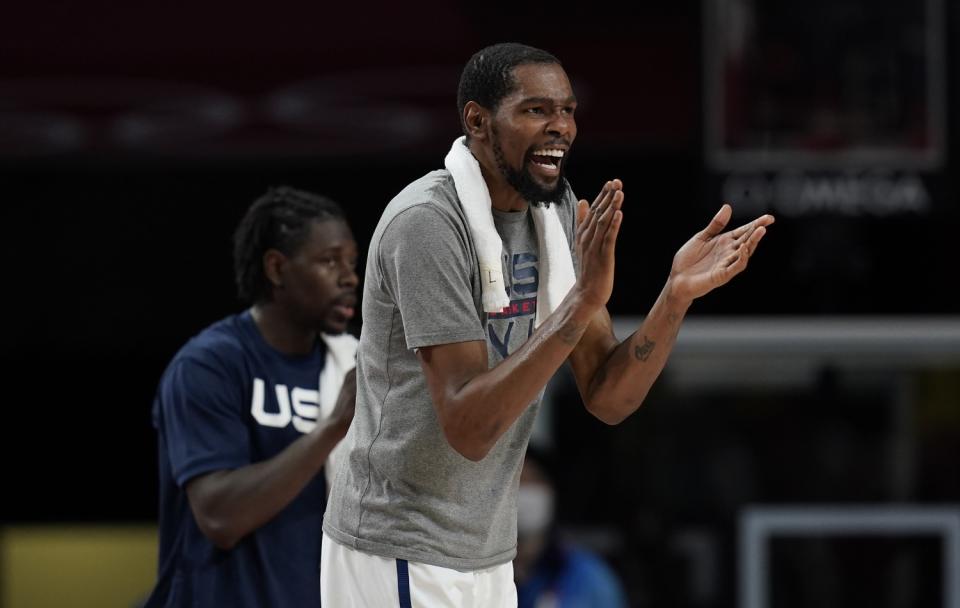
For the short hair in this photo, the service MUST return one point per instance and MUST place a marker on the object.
(488, 76)
(281, 220)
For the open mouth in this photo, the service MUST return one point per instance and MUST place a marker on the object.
(345, 312)
(548, 160)
(345, 308)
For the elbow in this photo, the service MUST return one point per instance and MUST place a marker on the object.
(474, 454)
(220, 525)
(218, 532)
(613, 413)
(470, 436)
(608, 418)
(469, 448)
(473, 445)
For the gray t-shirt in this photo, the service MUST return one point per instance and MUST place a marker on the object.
(403, 491)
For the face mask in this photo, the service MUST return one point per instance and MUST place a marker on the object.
(534, 508)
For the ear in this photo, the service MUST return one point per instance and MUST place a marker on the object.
(273, 262)
(476, 118)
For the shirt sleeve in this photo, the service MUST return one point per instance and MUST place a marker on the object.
(202, 420)
(426, 269)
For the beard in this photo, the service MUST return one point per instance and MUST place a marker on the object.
(523, 182)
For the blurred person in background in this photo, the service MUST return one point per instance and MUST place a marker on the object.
(549, 572)
(249, 410)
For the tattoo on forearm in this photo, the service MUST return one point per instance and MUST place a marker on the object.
(643, 351)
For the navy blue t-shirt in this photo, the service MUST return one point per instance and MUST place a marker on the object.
(227, 400)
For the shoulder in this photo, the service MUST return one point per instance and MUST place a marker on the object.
(581, 559)
(429, 201)
(426, 215)
(586, 566)
(219, 346)
(436, 186)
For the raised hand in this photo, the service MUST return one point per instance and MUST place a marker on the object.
(712, 257)
(597, 228)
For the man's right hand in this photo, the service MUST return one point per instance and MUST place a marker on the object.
(597, 228)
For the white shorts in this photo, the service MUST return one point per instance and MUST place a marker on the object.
(354, 579)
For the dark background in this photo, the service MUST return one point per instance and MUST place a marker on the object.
(133, 138)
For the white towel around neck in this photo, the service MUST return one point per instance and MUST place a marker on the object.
(556, 265)
(341, 358)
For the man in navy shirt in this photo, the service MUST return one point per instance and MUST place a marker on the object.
(249, 410)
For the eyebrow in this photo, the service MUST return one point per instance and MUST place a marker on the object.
(549, 100)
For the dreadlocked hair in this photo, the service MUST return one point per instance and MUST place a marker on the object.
(281, 220)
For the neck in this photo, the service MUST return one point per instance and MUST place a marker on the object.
(503, 196)
(281, 332)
